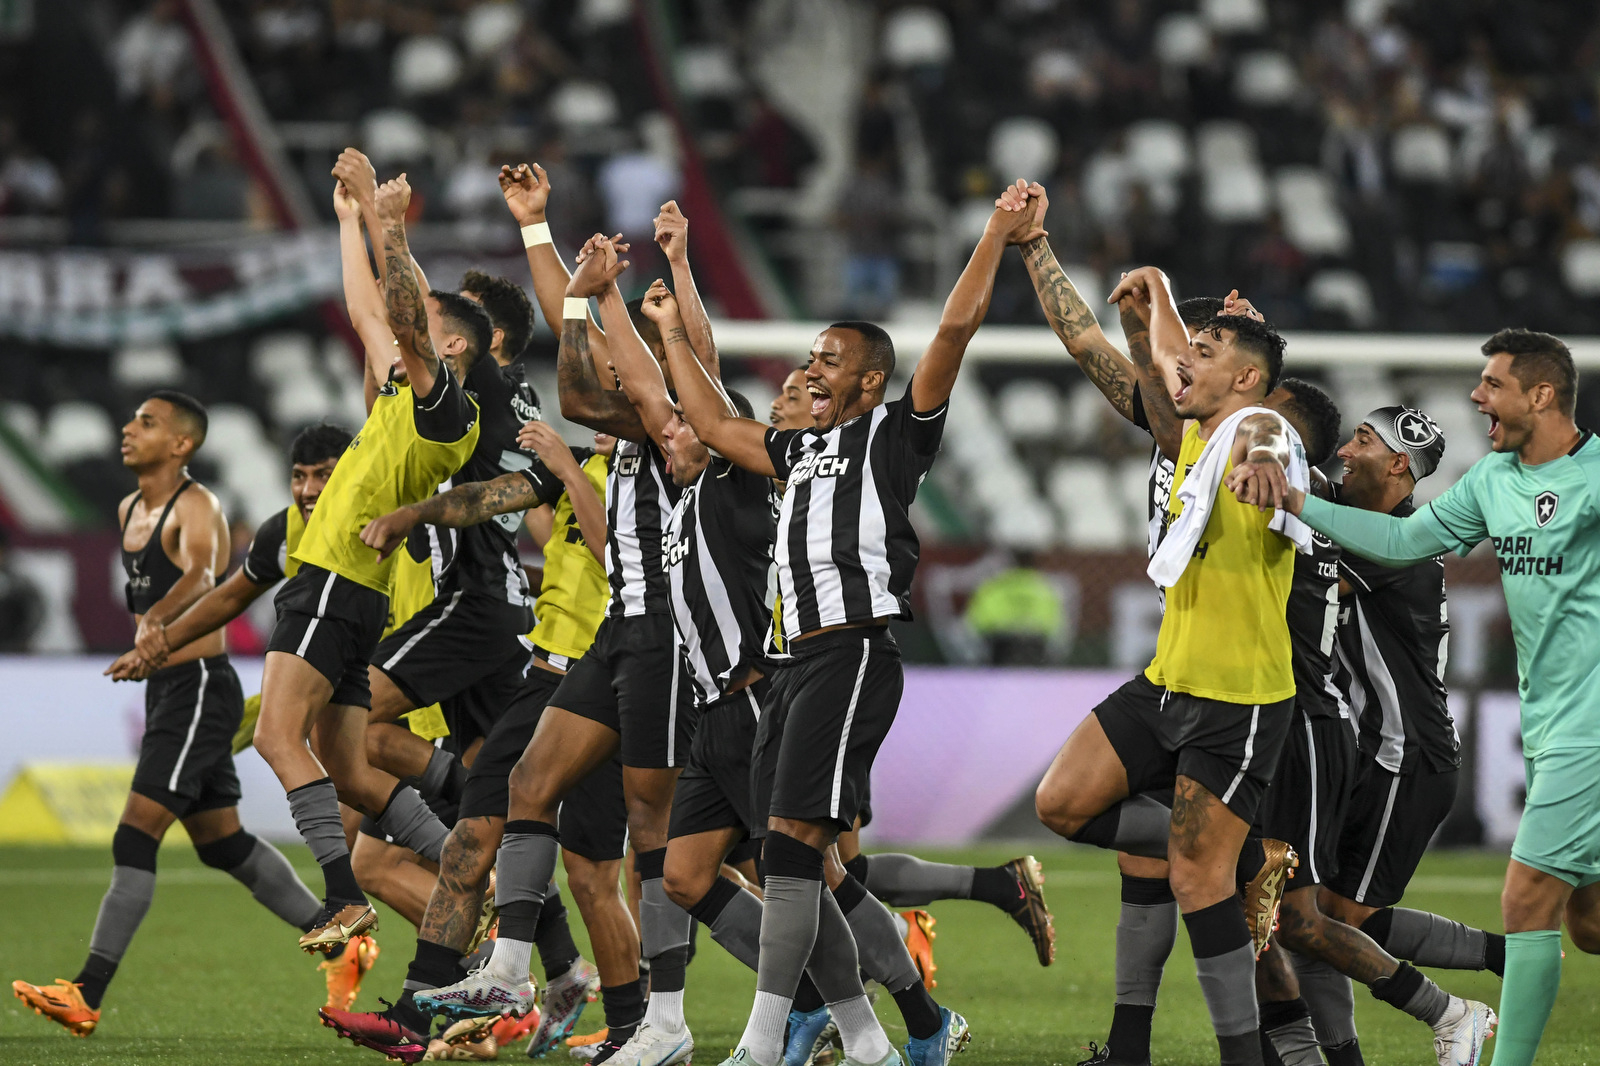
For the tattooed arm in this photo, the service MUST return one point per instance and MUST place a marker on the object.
(403, 297)
(464, 505)
(1113, 373)
(1155, 396)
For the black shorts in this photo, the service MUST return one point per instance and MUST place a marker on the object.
(462, 651)
(191, 712)
(632, 680)
(714, 789)
(1305, 805)
(830, 706)
(334, 624)
(1230, 748)
(594, 819)
(1391, 819)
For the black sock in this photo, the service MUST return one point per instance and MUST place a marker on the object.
(434, 965)
(1345, 1054)
(407, 1013)
(857, 868)
(553, 937)
(624, 1007)
(806, 997)
(519, 919)
(1252, 856)
(919, 1010)
(997, 886)
(1129, 1040)
(1494, 954)
(340, 880)
(94, 977)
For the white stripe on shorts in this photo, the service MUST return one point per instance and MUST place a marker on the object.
(416, 638)
(322, 605)
(1377, 845)
(1249, 753)
(844, 736)
(194, 723)
(672, 711)
(1311, 843)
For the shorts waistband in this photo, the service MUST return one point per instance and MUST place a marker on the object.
(560, 662)
(169, 673)
(877, 637)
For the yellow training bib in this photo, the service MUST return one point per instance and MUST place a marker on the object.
(574, 593)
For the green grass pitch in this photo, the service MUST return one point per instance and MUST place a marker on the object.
(213, 978)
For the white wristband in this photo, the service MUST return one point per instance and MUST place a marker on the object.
(575, 307)
(536, 234)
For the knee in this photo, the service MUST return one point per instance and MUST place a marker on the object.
(228, 852)
(1298, 921)
(530, 791)
(274, 745)
(1195, 885)
(686, 886)
(585, 884)
(371, 862)
(1585, 933)
(1053, 803)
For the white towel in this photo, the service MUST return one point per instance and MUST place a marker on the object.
(1199, 491)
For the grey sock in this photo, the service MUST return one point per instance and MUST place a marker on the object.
(663, 925)
(738, 928)
(907, 881)
(1145, 938)
(408, 822)
(1139, 825)
(1433, 940)
(437, 775)
(1331, 998)
(789, 922)
(122, 908)
(315, 808)
(275, 885)
(524, 866)
(1296, 1044)
(834, 966)
(883, 955)
(1428, 1003)
(1228, 982)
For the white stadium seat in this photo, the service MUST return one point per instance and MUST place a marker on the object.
(392, 135)
(1345, 292)
(580, 104)
(1225, 143)
(708, 70)
(1090, 515)
(1235, 194)
(1030, 409)
(280, 357)
(1024, 148)
(77, 430)
(1265, 79)
(1311, 217)
(1105, 186)
(146, 366)
(1026, 524)
(234, 430)
(1182, 40)
(1132, 484)
(917, 37)
(21, 419)
(487, 28)
(1235, 16)
(300, 402)
(425, 64)
(1580, 267)
(1158, 150)
(1420, 152)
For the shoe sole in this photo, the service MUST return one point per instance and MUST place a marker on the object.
(78, 1029)
(367, 923)
(388, 1051)
(1031, 873)
(559, 1034)
(1264, 896)
(456, 1012)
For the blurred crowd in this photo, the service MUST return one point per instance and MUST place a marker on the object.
(1422, 165)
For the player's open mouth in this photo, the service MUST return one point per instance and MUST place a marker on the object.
(1494, 427)
(1185, 383)
(819, 402)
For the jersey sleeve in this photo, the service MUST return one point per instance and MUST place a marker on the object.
(1140, 419)
(920, 431)
(263, 562)
(783, 448)
(446, 413)
(1380, 537)
(1456, 515)
(547, 488)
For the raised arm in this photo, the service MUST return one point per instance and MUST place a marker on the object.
(968, 303)
(584, 399)
(527, 191)
(464, 505)
(363, 298)
(741, 440)
(402, 293)
(637, 369)
(1383, 538)
(1155, 394)
(1148, 286)
(587, 507)
(672, 233)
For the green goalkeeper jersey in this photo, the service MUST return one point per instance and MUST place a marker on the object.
(1544, 522)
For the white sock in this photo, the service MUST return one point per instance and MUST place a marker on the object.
(665, 1011)
(763, 1033)
(864, 1039)
(511, 959)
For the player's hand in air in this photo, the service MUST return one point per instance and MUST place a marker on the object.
(527, 190)
(660, 306)
(1137, 300)
(542, 440)
(393, 198)
(1138, 285)
(345, 204)
(672, 232)
(598, 268)
(1234, 304)
(128, 667)
(1019, 213)
(355, 173)
(389, 532)
(593, 243)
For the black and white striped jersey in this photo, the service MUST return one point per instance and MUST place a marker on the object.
(1162, 473)
(1394, 633)
(640, 496)
(1313, 614)
(845, 549)
(717, 550)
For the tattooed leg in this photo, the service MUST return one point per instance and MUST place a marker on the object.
(469, 853)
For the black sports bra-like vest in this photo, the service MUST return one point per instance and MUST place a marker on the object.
(150, 573)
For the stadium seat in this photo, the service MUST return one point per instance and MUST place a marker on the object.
(1106, 178)
(1029, 409)
(1024, 148)
(598, 14)
(1182, 40)
(259, 482)
(21, 419)
(281, 357)
(1311, 217)
(1157, 150)
(303, 402)
(1082, 492)
(1025, 524)
(583, 104)
(1420, 153)
(487, 28)
(1132, 485)
(146, 366)
(1265, 79)
(77, 430)
(1235, 194)
(709, 70)
(1580, 267)
(424, 65)
(917, 37)
(1235, 16)
(1225, 143)
(1085, 410)
(1343, 292)
(393, 136)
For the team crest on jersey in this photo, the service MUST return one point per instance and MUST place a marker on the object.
(1544, 507)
